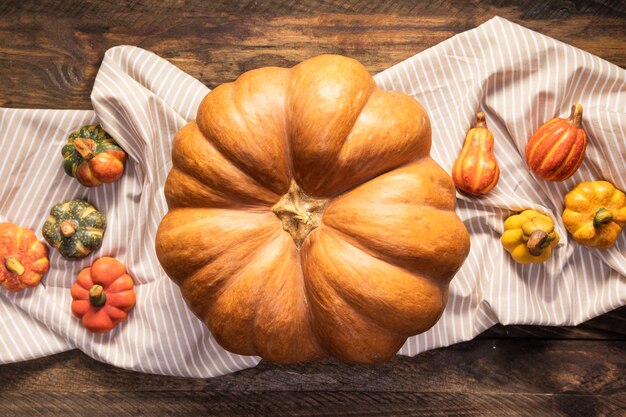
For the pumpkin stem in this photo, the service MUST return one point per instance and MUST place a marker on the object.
(481, 121)
(85, 147)
(14, 265)
(68, 228)
(97, 297)
(576, 117)
(299, 213)
(536, 241)
(602, 216)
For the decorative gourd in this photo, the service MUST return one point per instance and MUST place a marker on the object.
(595, 213)
(306, 217)
(557, 148)
(103, 294)
(529, 237)
(93, 157)
(75, 228)
(23, 258)
(476, 170)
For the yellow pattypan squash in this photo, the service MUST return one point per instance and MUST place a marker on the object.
(595, 213)
(529, 237)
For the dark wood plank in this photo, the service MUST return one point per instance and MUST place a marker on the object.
(73, 371)
(315, 403)
(504, 366)
(54, 48)
(609, 326)
(479, 366)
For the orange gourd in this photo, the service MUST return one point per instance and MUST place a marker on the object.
(306, 217)
(103, 294)
(23, 258)
(557, 148)
(476, 170)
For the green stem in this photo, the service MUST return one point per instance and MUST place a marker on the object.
(602, 216)
(97, 297)
(14, 265)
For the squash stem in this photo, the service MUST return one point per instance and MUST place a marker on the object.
(602, 216)
(299, 213)
(536, 241)
(68, 228)
(97, 297)
(85, 147)
(14, 265)
(576, 117)
(481, 121)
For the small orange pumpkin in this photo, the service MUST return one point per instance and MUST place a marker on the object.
(103, 295)
(595, 213)
(557, 148)
(476, 170)
(24, 258)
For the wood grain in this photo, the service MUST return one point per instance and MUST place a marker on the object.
(534, 366)
(55, 47)
(481, 377)
(309, 404)
(49, 55)
(609, 326)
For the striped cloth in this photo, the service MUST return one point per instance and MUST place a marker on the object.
(517, 77)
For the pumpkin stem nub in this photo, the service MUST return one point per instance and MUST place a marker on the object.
(97, 297)
(576, 117)
(602, 216)
(299, 213)
(85, 147)
(481, 122)
(14, 265)
(536, 241)
(68, 228)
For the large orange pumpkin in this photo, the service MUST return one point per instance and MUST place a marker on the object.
(306, 217)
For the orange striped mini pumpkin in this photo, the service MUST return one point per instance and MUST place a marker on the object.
(476, 170)
(557, 148)
(23, 258)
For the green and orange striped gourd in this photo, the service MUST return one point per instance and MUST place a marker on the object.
(476, 170)
(557, 148)
(93, 157)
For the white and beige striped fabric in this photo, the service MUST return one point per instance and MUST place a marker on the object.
(517, 77)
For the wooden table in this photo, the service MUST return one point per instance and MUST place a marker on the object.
(49, 55)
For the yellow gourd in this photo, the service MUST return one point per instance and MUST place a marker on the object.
(595, 213)
(529, 237)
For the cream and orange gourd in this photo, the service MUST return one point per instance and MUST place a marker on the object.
(306, 217)
(476, 170)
